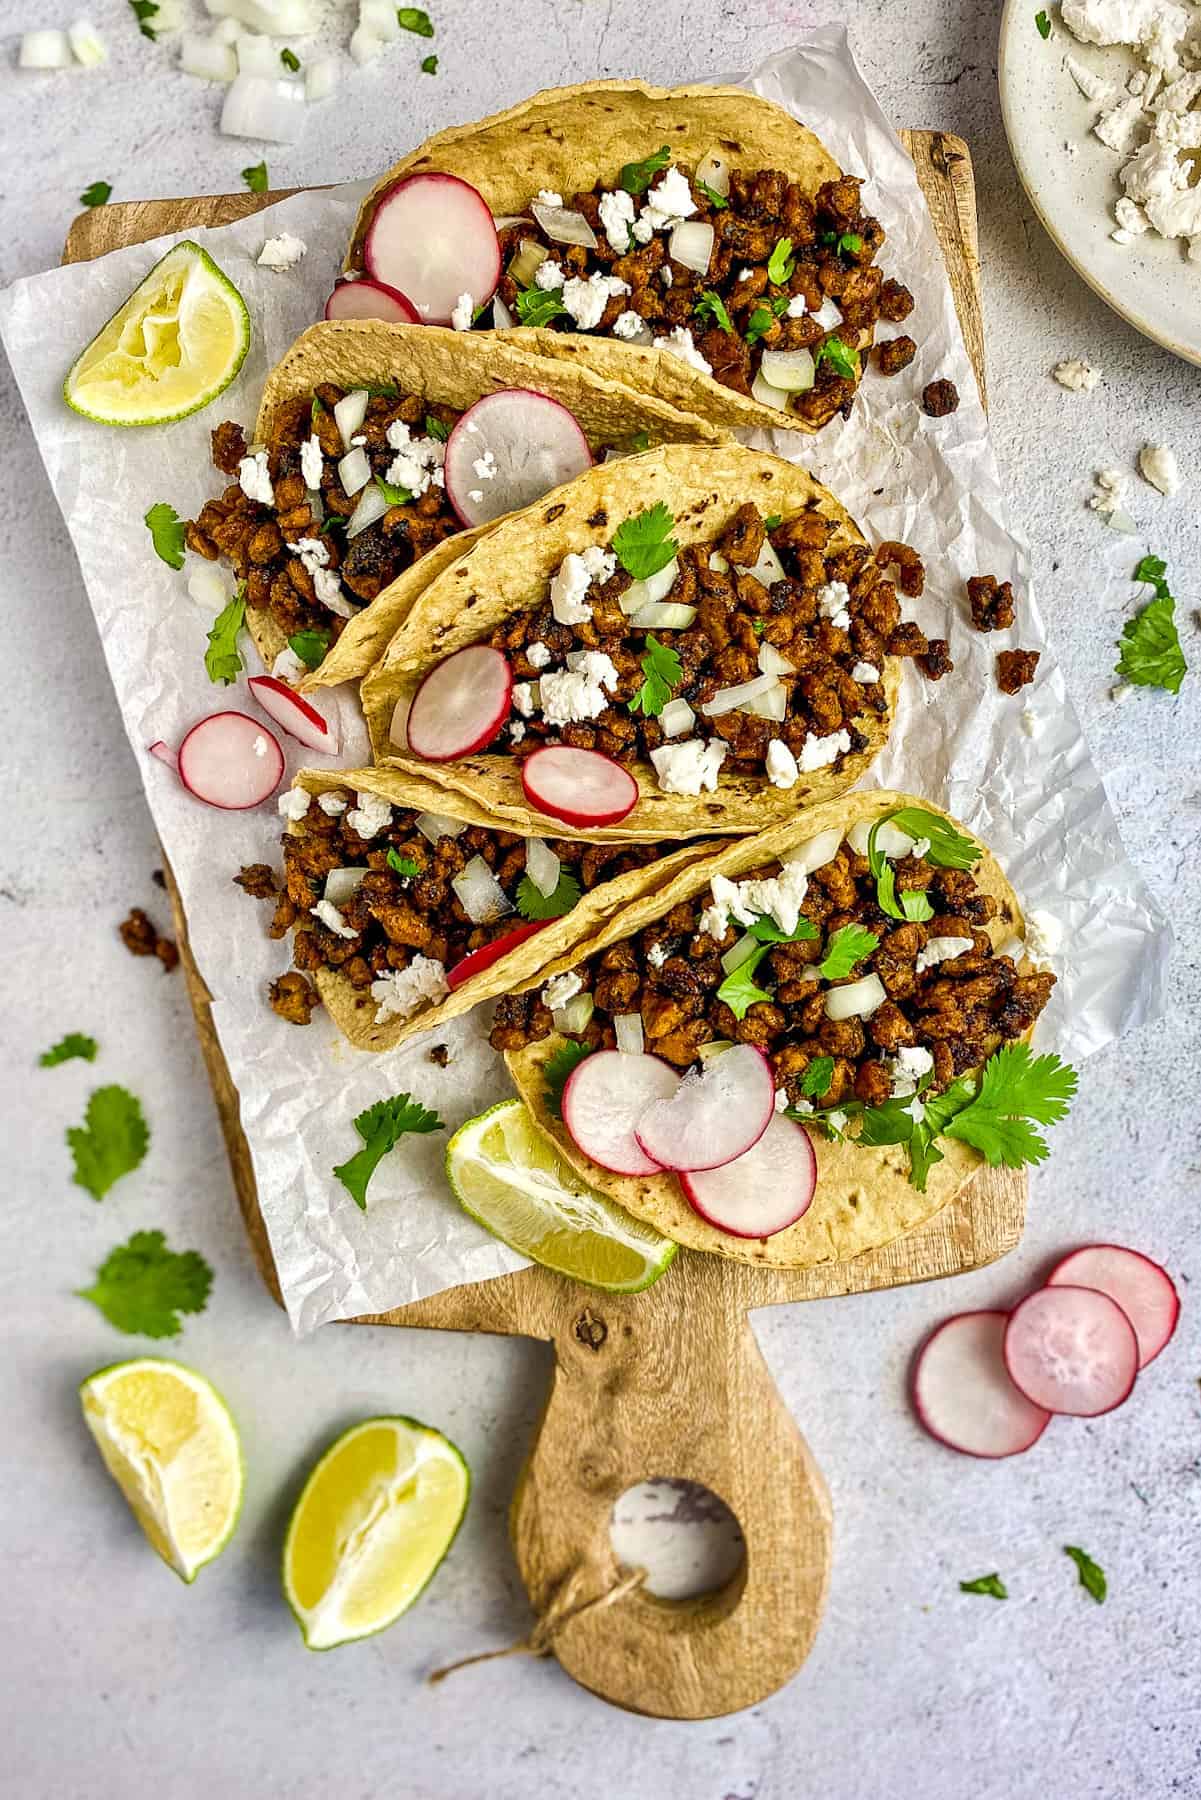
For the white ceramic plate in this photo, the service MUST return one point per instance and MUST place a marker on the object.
(1149, 282)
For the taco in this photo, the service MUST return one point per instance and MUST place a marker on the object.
(712, 620)
(698, 243)
(409, 906)
(872, 953)
(333, 546)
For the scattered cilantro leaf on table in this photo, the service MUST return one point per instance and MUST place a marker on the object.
(538, 306)
(223, 659)
(1150, 653)
(310, 647)
(712, 306)
(412, 18)
(992, 1585)
(557, 1068)
(781, 262)
(111, 1142)
(532, 903)
(255, 178)
(142, 1286)
(143, 11)
(1018, 1090)
(290, 60)
(643, 544)
(97, 194)
(429, 65)
(1043, 25)
(663, 671)
(1092, 1575)
(636, 177)
(847, 946)
(381, 1127)
(68, 1049)
(166, 530)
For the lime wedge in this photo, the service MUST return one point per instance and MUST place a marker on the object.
(510, 1178)
(170, 1444)
(377, 1515)
(176, 344)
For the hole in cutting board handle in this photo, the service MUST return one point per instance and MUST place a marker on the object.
(682, 1533)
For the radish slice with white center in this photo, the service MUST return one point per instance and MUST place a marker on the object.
(461, 704)
(432, 238)
(603, 1098)
(714, 1116)
(963, 1395)
(298, 717)
(229, 760)
(1071, 1350)
(527, 443)
(581, 787)
(164, 753)
(368, 299)
(1144, 1291)
(765, 1190)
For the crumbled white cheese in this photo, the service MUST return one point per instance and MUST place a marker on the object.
(629, 325)
(332, 919)
(547, 197)
(820, 752)
(1106, 22)
(865, 672)
(401, 991)
(666, 276)
(690, 767)
(254, 479)
(294, 804)
(617, 216)
(1076, 375)
(549, 274)
(1092, 86)
(837, 1119)
(282, 252)
(1119, 125)
(656, 956)
(1044, 938)
(476, 494)
(586, 300)
(370, 816)
(907, 1068)
(570, 696)
(798, 306)
(832, 602)
(669, 201)
(573, 578)
(679, 343)
(781, 765)
(562, 988)
(417, 465)
(941, 949)
(312, 462)
(1030, 722)
(1158, 466)
(516, 731)
(260, 745)
(485, 466)
(781, 1100)
(1111, 486)
(289, 667)
(523, 698)
(332, 805)
(463, 313)
(778, 896)
(537, 655)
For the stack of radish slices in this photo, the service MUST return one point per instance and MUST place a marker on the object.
(987, 1383)
(744, 1167)
(230, 761)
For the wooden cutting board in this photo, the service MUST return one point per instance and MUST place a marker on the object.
(670, 1382)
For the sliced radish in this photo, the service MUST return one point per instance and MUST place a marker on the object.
(581, 787)
(963, 1395)
(461, 704)
(764, 1190)
(433, 239)
(603, 1099)
(714, 1115)
(476, 961)
(508, 450)
(229, 760)
(368, 299)
(298, 717)
(164, 753)
(1144, 1291)
(1071, 1350)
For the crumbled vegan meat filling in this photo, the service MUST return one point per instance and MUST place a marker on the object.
(293, 998)
(439, 1054)
(894, 354)
(258, 880)
(142, 938)
(959, 1009)
(991, 602)
(1015, 669)
(940, 398)
(937, 660)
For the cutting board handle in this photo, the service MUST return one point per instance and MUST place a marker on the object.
(671, 1383)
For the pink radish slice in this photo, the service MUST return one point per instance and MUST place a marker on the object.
(714, 1116)
(602, 1099)
(231, 761)
(298, 718)
(164, 753)
(764, 1190)
(581, 787)
(367, 299)
(461, 704)
(1144, 1291)
(1071, 1350)
(433, 239)
(963, 1395)
(531, 444)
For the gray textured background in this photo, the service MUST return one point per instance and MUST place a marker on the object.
(117, 1681)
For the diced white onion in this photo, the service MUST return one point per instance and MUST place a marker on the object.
(817, 851)
(257, 55)
(772, 663)
(773, 704)
(206, 58)
(349, 413)
(890, 840)
(480, 893)
(767, 568)
(715, 1047)
(691, 243)
(283, 18)
(44, 50)
(256, 107)
(209, 587)
(738, 953)
(542, 866)
(528, 259)
(731, 698)
(365, 47)
(316, 505)
(664, 615)
(792, 370)
(718, 562)
(379, 18)
(857, 1000)
(87, 46)
(371, 506)
(505, 220)
(502, 318)
(677, 718)
(714, 171)
(564, 226)
(767, 395)
(627, 1029)
(1119, 520)
(575, 1017)
(227, 31)
(169, 16)
(320, 78)
(398, 728)
(436, 825)
(342, 884)
(827, 315)
(354, 472)
(655, 587)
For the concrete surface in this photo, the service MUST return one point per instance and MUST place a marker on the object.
(117, 1681)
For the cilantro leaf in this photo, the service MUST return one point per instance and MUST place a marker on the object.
(557, 1068)
(644, 544)
(142, 1286)
(840, 358)
(1016, 1087)
(781, 262)
(143, 11)
(381, 1126)
(256, 178)
(817, 1076)
(538, 306)
(402, 865)
(663, 671)
(915, 905)
(97, 194)
(223, 659)
(290, 60)
(717, 201)
(949, 848)
(1043, 24)
(395, 496)
(1092, 1575)
(768, 932)
(411, 18)
(166, 529)
(890, 1123)
(712, 306)
(111, 1142)
(912, 904)
(310, 647)
(636, 177)
(764, 317)
(849, 945)
(850, 244)
(436, 429)
(773, 521)
(429, 65)
(1154, 569)
(75, 1044)
(739, 990)
(1149, 651)
(641, 440)
(532, 903)
(992, 1585)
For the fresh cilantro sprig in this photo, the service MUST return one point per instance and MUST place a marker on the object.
(1150, 653)
(663, 672)
(557, 1068)
(538, 306)
(402, 865)
(223, 659)
(255, 178)
(1092, 1575)
(429, 65)
(436, 429)
(717, 201)
(381, 1127)
(412, 18)
(913, 904)
(781, 262)
(143, 1286)
(636, 177)
(767, 931)
(166, 530)
(74, 1046)
(739, 990)
(764, 317)
(532, 903)
(1042, 25)
(712, 306)
(817, 1076)
(395, 496)
(992, 1585)
(111, 1142)
(643, 544)
(143, 11)
(641, 440)
(1018, 1090)
(840, 358)
(310, 647)
(846, 947)
(949, 848)
(97, 194)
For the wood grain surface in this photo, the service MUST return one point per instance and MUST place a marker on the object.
(625, 1404)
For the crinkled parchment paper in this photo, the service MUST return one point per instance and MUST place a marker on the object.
(1016, 771)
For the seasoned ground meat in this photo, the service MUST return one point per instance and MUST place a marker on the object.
(293, 998)
(896, 302)
(258, 880)
(937, 660)
(142, 938)
(229, 447)
(991, 603)
(891, 355)
(940, 398)
(1015, 669)
(439, 1054)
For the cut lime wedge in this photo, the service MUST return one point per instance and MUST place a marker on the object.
(176, 344)
(376, 1517)
(511, 1179)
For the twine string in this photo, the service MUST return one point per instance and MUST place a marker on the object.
(565, 1607)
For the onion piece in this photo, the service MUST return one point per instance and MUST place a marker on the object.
(504, 221)
(767, 395)
(664, 615)
(718, 562)
(209, 587)
(691, 243)
(542, 866)
(502, 318)
(480, 893)
(772, 663)
(714, 171)
(627, 1029)
(857, 1000)
(281, 18)
(827, 315)
(354, 471)
(677, 718)
(564, 226)
(87, 46)
(655, 587)
(731, 698)
(528, 260)
(437, 825)
(371, 506)
(817, 851)
(256, 107)
(320, 78)
(206, 58)
(349, 413)
(793, 371)
(256, 55)
(44, 50)
(715, 1047)
(738, 953)
(365, 46)
(890, 840)
(379, 17)
(342, 884)
(575, 1017)
(768, 569)
(771, 705)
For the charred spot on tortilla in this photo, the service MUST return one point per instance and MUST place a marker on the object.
(598, 518)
